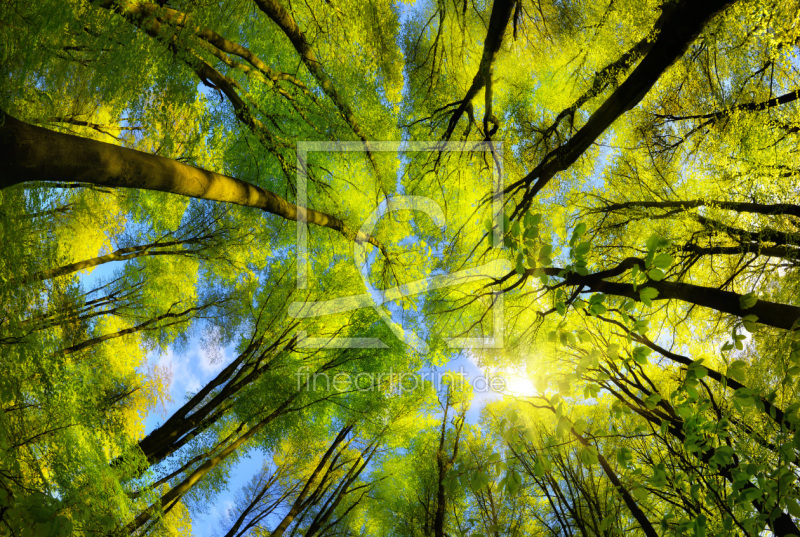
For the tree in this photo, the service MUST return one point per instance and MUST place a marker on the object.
(632, 163)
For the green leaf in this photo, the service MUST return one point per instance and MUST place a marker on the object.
(624, 456)
(591, 391)
(652, 400)
(607, 522)
(724, 455)
(640, 354)
(748, 301)
(695, 370)
(597, 309)
(647, 295)
(700, 525)
(655, 242)
(562, 427)
(538, 468)
(541, 384)
(639, 492)
(655, 274)
(513, 481)
(662, 261)
(582, 249)
(589, 455)
(580, 426)
(532, 220)
(749, 322)
(640, 326)
(751, 494)
(793, 507)
(659, 477)
(737, 370)
(597, 298)
(476, 482)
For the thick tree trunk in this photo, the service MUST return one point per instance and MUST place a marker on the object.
(790, 253)
(174, 495)
(443, 465)
(31, 153)
(205, 407)
(769, 313)
(680, 26)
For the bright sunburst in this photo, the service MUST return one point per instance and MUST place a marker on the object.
(518, 384)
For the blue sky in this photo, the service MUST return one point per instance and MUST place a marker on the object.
(196, 366)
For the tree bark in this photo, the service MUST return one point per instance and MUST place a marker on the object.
(681, 26)
(284, 20)
(634, 508)
(205, 407)
(168, 500)
(31, 153)
(303, 500)
(121, 254)
(769, 313)
(738, 206)
(502, 10)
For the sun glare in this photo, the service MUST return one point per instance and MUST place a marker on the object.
(518, 384)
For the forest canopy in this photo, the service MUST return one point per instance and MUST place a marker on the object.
(335, 202)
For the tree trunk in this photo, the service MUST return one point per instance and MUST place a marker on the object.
(680, 26)
(121, 254)
(769, 313)
(176, 493)
(31, 153)
(636, 511)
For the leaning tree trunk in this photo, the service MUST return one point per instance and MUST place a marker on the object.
(31, 153)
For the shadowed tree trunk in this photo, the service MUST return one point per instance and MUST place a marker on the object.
(769, 313)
